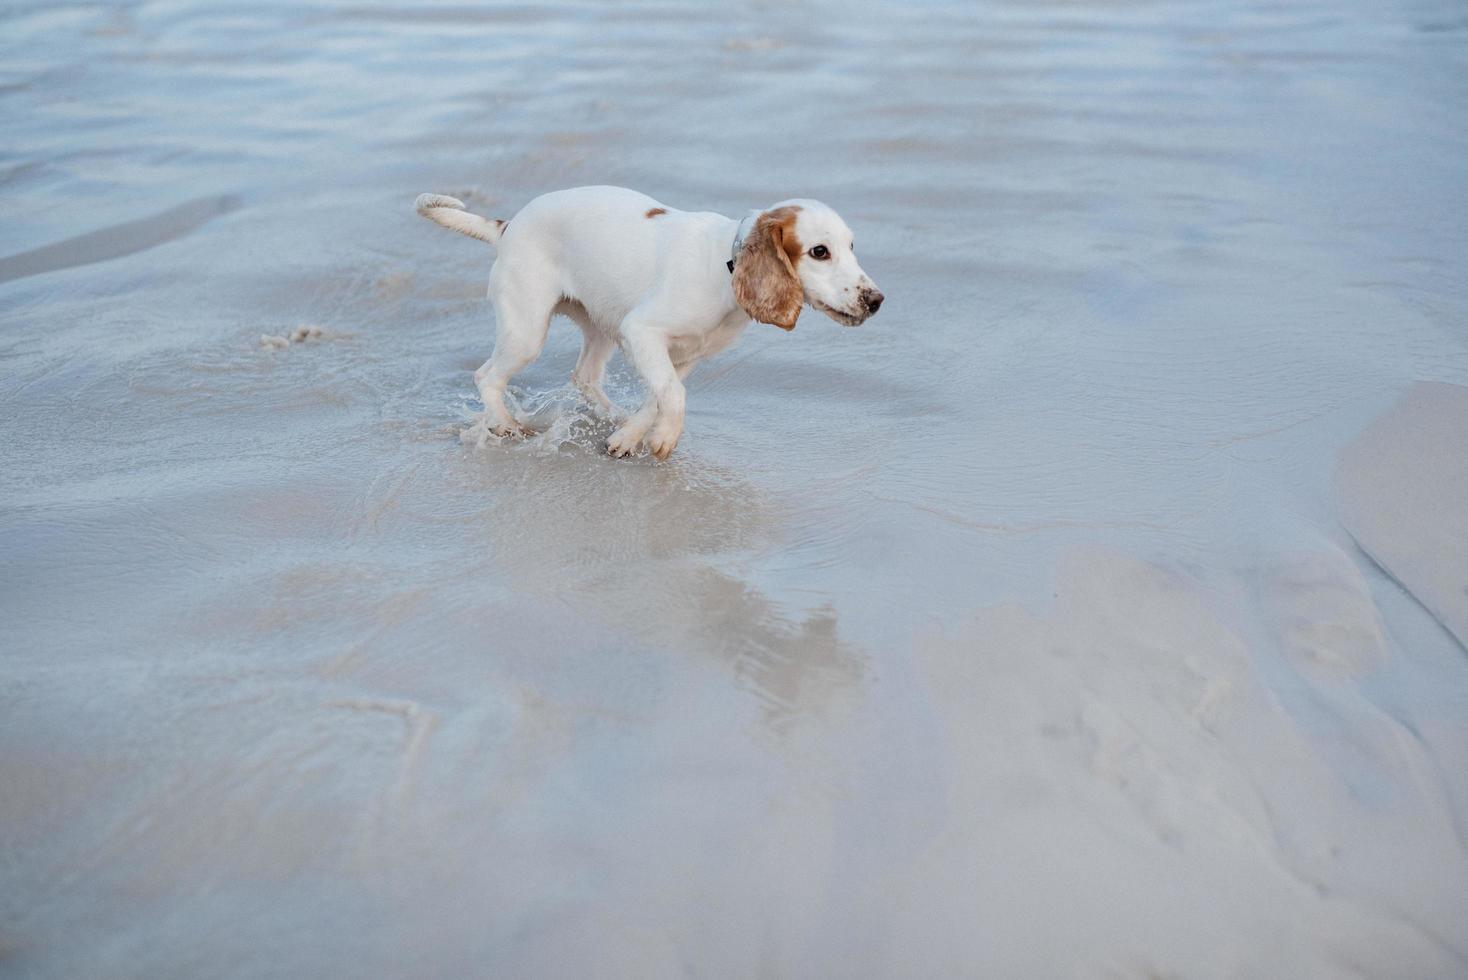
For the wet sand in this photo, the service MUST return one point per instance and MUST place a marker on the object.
(1096, 610)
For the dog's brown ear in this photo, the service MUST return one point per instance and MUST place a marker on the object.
(765, 284)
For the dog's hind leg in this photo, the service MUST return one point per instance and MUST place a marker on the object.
(522, 320)
(596, 350)
(595, 353)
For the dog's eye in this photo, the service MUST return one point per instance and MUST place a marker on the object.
(819, 253)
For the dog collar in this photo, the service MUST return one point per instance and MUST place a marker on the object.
(745, 224)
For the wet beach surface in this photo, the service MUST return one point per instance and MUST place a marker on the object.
(1096, 610)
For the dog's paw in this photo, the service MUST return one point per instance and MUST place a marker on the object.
(623, 443)
(662, 441)
(512, 429)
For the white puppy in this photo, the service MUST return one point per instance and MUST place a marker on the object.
(668, 287)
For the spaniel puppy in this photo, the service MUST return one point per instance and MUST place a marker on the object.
(667, 287)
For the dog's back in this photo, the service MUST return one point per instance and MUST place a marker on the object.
(595, 240)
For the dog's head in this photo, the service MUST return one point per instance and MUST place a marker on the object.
(802, 252)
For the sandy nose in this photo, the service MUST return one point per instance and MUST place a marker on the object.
(873, 300)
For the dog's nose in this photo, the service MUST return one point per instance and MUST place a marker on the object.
(874, 301)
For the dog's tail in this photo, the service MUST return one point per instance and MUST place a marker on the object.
(450, 213)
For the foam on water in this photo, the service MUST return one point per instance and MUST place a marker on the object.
(560, 418)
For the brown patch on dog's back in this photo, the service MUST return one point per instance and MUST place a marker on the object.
(654, 212)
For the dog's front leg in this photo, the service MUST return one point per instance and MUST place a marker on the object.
(628, 437)
(647, 349)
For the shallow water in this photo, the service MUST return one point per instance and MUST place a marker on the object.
(1019, 632)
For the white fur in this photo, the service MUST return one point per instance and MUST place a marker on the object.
(657, 287)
